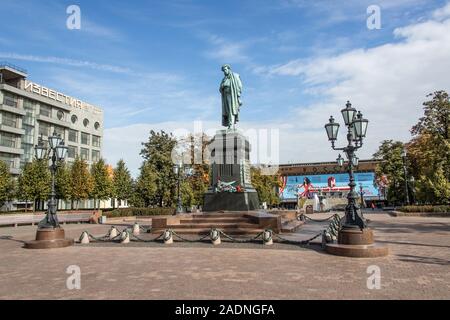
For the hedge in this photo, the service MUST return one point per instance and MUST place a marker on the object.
(426, 208)
(139, 212)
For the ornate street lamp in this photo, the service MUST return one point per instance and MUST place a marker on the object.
(177, 168)
(355, 238)
(405, 172)
(356, 131)
(413, 191)
(49, 233)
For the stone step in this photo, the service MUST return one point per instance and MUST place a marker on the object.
(205, 231)
(219, 215)
(291, 226)
(214, 220)
(215, 225)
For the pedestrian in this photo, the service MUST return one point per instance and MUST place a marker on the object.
(373, 206)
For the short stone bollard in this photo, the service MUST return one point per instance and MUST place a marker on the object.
(136, 229)
(268, 237)
(84, 238)
(125, 237)
(113, 233)
(215, 237)
(168, 237)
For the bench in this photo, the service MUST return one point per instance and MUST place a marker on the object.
(64, 217)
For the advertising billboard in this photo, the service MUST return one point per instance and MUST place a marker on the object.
(307, 185)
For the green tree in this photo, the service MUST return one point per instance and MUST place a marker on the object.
(6, 183)
(391, 165)
(63, 182)
(136, 199)
(194, 150)
(145, 188)
(122, 182)
(429, 150)
(34, 182)
(82, 183)
(157, 153)
(266, 185)
(101, 183)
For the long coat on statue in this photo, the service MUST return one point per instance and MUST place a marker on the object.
(231, 88)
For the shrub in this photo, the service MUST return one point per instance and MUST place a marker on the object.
(426, 208)
(138, 212)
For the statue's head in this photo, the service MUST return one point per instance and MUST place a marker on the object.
(226, 68)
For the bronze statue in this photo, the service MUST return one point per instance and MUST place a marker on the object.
(230, 88)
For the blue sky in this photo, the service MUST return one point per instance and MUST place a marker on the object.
(156, 64)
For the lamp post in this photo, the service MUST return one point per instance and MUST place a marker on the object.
(356, 131)
(355, 239)
(412, 180)
(361, 192)
(49, 233)
(177, 168)
(405, 172)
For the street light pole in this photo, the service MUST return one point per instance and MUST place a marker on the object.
(355, 239)
(405, 172)
(361, 192)
(49, 233)
(356, 131)
(177, 170)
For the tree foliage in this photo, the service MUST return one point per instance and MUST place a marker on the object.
(122, 182)
(34, 182)
(145, 187)
(391, 166)
(266, 185)
(6, 183)
(82, 183)
(63, 182)
(101, 182)
(157, 153)
(428, 156)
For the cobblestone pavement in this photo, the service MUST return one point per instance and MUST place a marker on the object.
(417, 268)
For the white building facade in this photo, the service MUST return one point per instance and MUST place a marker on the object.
(29, 110)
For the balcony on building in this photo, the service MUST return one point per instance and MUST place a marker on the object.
(12, 75)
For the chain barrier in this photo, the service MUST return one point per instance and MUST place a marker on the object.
(304, 217)
(328, 235)
(239, 240)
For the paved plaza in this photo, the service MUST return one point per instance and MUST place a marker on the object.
(417, 268)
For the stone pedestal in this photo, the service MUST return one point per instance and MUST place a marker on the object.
(230, 188)
(49, 239)
(354, 242)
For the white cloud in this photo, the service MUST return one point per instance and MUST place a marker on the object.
(388, 83)
(64, 61)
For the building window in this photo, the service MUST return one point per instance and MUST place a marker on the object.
(85, 122)
(44, 129)
(96, 141)
(85, 138)
(72, 152)
(60, 115)
(45, 111)
(74, 119)
(10, 100)
(28, 137)
(97, 126)
(73, 135)
(29, 105)
(9, 120)
(59, 131)
(95, 155)
(8, 140)
(8, 159)
(84, 154)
